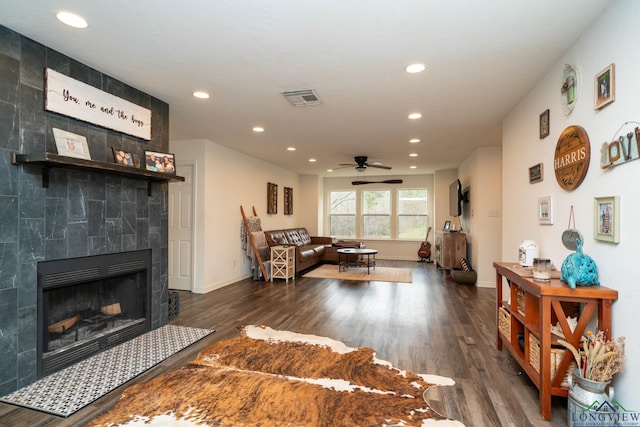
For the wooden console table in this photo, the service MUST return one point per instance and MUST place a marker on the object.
(532, 309)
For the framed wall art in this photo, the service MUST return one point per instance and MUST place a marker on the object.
(535, 173)
(73, 98)
(123, 157)
(544, 124)
(272, 198)
(545, 210)
(160, 162)
(604, 87)
(606, 219)
(288, 201)
(71, 145)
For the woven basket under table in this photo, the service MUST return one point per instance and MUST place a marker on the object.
(556, 358)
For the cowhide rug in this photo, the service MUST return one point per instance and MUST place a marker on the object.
(279, 378)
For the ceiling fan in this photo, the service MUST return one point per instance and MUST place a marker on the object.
(361, 164)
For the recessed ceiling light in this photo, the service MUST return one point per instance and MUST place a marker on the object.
(413, 155)
(291, 148)
(201, 94)
(413, 167)
(312, 160)
(414, 116)
(415, 68)
(258, 129)
(72, 20)
(414, 140)
(329, 170)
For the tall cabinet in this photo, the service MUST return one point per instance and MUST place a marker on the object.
(449, 249)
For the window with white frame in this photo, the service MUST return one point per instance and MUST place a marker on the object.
(412, 213)
(397, 213)
(376, 214)
(342, 214)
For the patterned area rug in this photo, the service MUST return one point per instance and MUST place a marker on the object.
(69, 390)
(280, 378)
(380, 274)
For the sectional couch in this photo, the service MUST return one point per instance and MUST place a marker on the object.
(310, 250)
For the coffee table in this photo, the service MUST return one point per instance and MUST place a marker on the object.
(343, 265)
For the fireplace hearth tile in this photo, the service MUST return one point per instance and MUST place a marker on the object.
(73, 388)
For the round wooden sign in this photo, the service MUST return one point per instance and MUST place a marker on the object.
(571, 160)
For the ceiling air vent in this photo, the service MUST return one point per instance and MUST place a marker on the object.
(302, 98)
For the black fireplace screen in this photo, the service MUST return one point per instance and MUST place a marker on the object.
(79, 312)
(88, 304)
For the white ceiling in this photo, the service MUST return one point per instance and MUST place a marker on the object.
(482, 56)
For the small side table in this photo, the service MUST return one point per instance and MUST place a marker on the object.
(283, 262)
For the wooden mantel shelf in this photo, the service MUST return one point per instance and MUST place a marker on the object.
(52, 160)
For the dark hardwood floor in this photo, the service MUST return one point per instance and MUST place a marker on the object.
(430, 326)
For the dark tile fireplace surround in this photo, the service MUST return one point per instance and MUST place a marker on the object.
(80, 214)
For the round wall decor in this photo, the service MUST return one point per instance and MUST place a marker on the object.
(572, 156)
(569, 89)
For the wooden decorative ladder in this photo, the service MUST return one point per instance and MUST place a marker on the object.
(252, 241)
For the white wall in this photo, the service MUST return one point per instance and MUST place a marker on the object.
(225, 180)
(442, 179)
(311, 209)
(481, 174)
(612, 39)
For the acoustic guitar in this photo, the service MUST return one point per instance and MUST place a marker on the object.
(425, 249)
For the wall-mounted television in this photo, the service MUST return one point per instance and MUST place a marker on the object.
(455, 198)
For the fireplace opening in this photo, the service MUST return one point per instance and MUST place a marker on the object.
(89, 304)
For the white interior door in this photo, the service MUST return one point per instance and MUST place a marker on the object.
(181, 205)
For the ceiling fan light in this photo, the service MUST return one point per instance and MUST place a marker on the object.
(361, 168)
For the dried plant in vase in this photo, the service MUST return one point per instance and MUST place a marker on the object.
(600, 359)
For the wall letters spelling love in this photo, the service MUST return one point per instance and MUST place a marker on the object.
(624, 147)
(73, 98)
(571, 159)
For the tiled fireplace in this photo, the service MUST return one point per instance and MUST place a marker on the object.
(81, 213)
(89, 304)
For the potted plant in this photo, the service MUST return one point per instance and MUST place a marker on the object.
(589, 384)
(600, 359)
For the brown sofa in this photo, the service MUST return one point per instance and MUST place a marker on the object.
(310, 250)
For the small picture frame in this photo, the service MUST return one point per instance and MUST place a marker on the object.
(544, 124)
(123, 157)
(605, 87)
(536, 173)
(71, 145)
(447, 226)
(606, 219)
(160, 162)
(545, 210)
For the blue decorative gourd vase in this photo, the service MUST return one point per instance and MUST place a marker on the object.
(579, 269)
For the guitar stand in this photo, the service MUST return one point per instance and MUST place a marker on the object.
(427, 260)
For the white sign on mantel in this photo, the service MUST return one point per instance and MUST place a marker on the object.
(73, 98)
